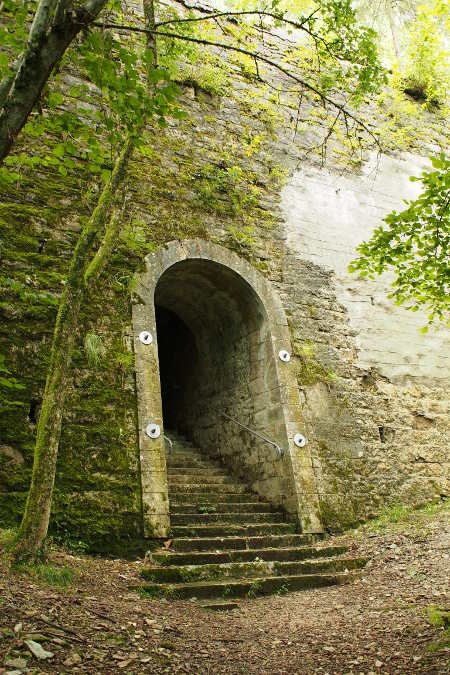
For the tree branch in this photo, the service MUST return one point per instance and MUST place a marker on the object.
(41, 21)
(45, 47)
(254, 55)
(258, 13)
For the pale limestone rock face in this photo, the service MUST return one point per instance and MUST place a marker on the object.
(381, 428)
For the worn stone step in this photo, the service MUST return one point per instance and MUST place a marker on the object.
(251, 588)
(241, 543)
(194, 460)
(248, 570)
(226, 517)
(246, 555)
(191, 466)
(221, 507)
(207, 476)
(207, 488)
(211, 497)
(232, 530)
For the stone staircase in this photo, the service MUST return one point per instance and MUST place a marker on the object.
(228, 543)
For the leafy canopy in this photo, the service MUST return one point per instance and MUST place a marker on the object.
(415, 245)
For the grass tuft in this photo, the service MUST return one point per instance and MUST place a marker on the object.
(53, 575)
(398, 515)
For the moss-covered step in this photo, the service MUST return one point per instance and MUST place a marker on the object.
(224, 530)
(246, 555)
(206, 488)
(238, 588)
(221, 507)
(226, 517)
(236, 543)
(204, 477)
(228, 542)
(192, 463)
(249, 570)
(196, 471)
(210, 497)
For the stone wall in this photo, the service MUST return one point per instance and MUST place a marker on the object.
(380, 427)
(372, 386)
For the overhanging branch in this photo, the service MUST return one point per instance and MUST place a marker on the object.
(254, 56)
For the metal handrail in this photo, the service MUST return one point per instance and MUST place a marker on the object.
(280, 450)
(169, 441)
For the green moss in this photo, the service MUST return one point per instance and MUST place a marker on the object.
(309, 369)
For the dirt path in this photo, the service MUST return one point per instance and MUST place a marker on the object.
(379, 624)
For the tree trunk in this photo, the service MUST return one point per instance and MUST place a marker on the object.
(43, 51)
(393, 31)
(34, 526)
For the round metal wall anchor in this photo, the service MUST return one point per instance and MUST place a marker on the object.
(153, 430)
(299, 440)
(146, 337)
(284, 355)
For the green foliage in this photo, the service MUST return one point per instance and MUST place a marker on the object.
(337, 51)
(242, 238)
(89, 121)
(282, 590)
(207, 508)
(439, 617)
(415, 246)
(426, 74)
(135, 237)
(13, 32)
(396, 516)
(94, 348)
(255, 589)
(7, 537)
(6, 378)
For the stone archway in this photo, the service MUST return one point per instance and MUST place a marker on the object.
(220, 326)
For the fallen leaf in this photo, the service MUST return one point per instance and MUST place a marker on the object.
(18, 662)
(73, 659)
(124, 664)
(37, 650)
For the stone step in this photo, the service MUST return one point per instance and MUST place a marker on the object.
(246, 555)
(226, 517)
(224, 530)
(251, 588)
(229, 543)
(207, 488)
(211, 497)
(221, 507)
(249, 570)
(211, 478)
(193, 457)
(242, 543)
(188, 452)
(178, 466)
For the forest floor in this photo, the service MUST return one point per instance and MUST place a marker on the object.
(80, 609)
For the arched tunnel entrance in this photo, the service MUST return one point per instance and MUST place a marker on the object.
(212, 337)
(218, 327)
